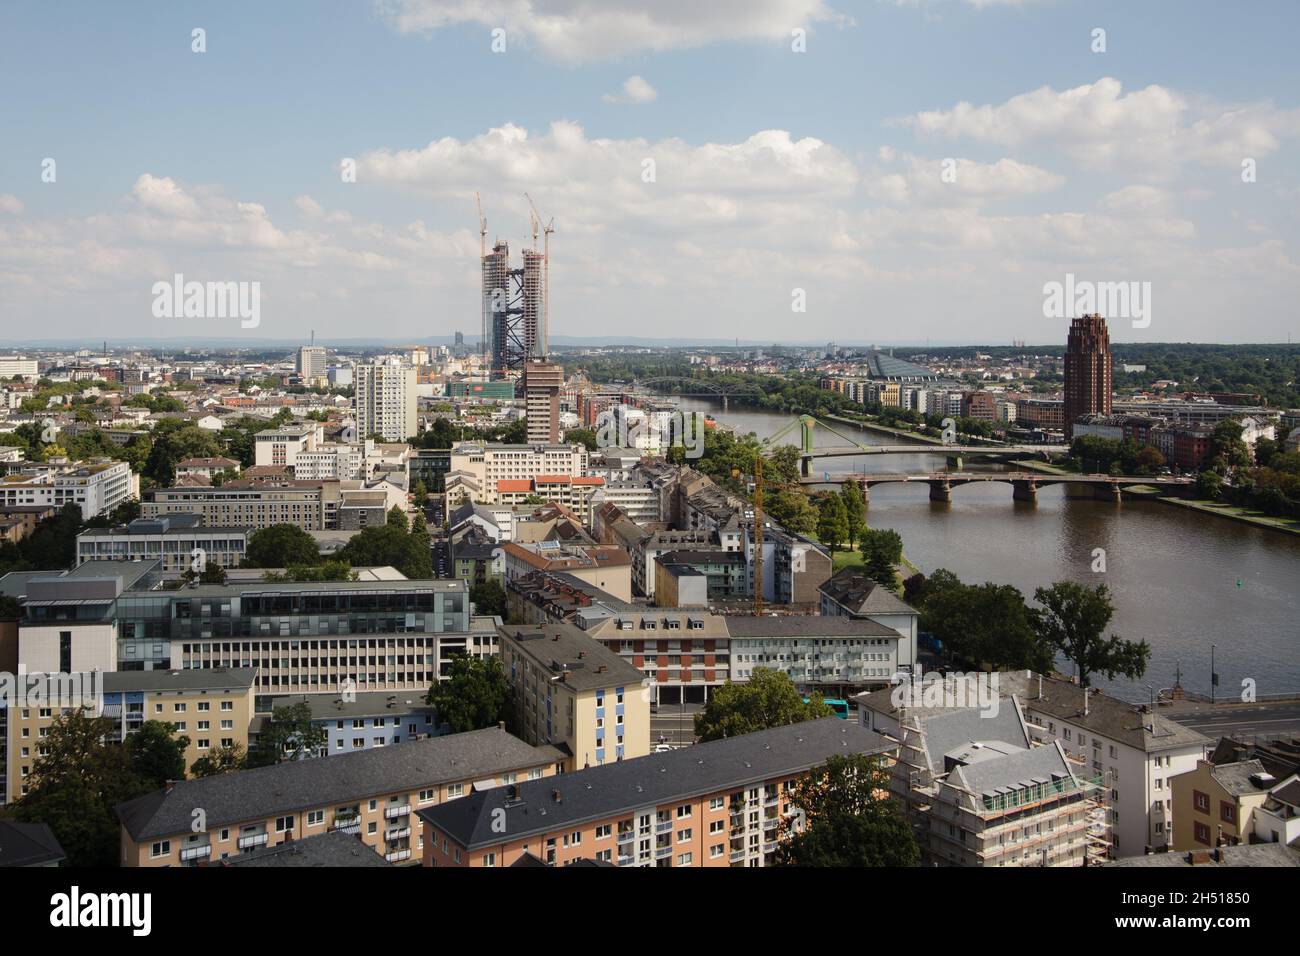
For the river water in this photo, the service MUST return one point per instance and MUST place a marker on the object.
(1179, 580)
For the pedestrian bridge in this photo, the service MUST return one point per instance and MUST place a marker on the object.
(1024, 484)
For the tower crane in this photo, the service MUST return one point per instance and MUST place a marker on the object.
(482, 254)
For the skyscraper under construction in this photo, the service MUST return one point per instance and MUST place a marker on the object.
(514, 307)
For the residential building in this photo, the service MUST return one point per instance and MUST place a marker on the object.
(212, 709)
(835, 656)
(385, 401)
(371, 793)
(1133, 751)
(205, 467)
(371, 719)
(283, 445)
(488, 464)
(851, 593)
(312, 362)
(572, 692)
(252, 503)
(607, 568)
(1214, 804)
(723, 803)
(29, 845)
(96, 486)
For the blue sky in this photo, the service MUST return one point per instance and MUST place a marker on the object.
(775, 170)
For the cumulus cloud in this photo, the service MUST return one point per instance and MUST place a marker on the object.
(1155, 130)
(953, 180)
(635, 90)
(583, 31)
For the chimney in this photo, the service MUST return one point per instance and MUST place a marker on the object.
(501, 725)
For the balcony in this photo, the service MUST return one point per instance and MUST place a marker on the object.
(196, 852)
(770, 825)
(391, 813)
(397, 833)
(663, 826)
(626, 836)
(626, 860)
(397, 856)
(252, 840)
(737, 856)
(347, 825)
(663, 852)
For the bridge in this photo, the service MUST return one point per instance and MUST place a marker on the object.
(1024, 484)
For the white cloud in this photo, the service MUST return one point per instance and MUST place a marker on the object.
(583, 31)
(10, 204)
(1154, 130)
(954, 181)
(635, 90)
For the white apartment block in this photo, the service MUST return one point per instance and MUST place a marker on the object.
(1134, 752)
(385, 401)
(282, 446)
(96, 486)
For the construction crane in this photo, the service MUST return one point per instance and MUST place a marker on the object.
(546, 267)
(482, 254)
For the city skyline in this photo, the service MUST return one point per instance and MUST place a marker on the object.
(942, 202)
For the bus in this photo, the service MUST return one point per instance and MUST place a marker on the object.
(837, 704)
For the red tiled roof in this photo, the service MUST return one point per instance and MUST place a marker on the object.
(514, 484)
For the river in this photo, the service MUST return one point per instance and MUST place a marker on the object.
(1179, 580)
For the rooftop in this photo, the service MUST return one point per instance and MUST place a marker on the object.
(336, 848)
(582, 662)
(597, 793)
(302, 784)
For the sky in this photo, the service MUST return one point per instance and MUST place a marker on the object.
(856, 171)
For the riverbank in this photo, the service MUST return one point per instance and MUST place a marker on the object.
(871, 426)
(1232, 512)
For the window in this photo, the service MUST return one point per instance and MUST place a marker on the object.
(716, 803)
(455, 790)
(489, 859)
(161, 848)
(684, 836)
(684, 859)
(1203, 833)
(1201, 801)
(603, 831)
(1228, 812)
(315, 818)
(683, 811)
(284, 824)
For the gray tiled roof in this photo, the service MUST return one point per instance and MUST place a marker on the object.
(565, 649)
(1109, 717)
(377, 703)
(947, 730)
(1235, 777)
(861, 595)
(613, 788)
(336, 848)
(28, 844)
(1015, 770)
(806, 626)
(301, 784)
(1260, 854)
(214, 678)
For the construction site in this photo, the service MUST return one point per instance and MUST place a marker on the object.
(515, 301)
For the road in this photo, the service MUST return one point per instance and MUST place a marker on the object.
(1248, 720)
(674, 724)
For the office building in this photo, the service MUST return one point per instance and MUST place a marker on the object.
(1087, 370)
(179, 541)
(312, 362)
(541, 386)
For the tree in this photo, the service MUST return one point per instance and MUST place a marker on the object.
(223, 760)
(472, 695)
(768, 699)
(390, 544)
(883, 550)
(1073, 620)
(792, 510)
(157, 755)
(75, 784)
(1209, 485)
(832, 525)
(586, 437)
(1227, 447)
(290, 734)
(281, 546)
(489, 598)
(848, 819)
(854, 511)
(988, 624)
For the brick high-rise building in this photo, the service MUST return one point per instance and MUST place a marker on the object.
(1087, 370)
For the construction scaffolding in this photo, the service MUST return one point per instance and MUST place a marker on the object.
(516, 302)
